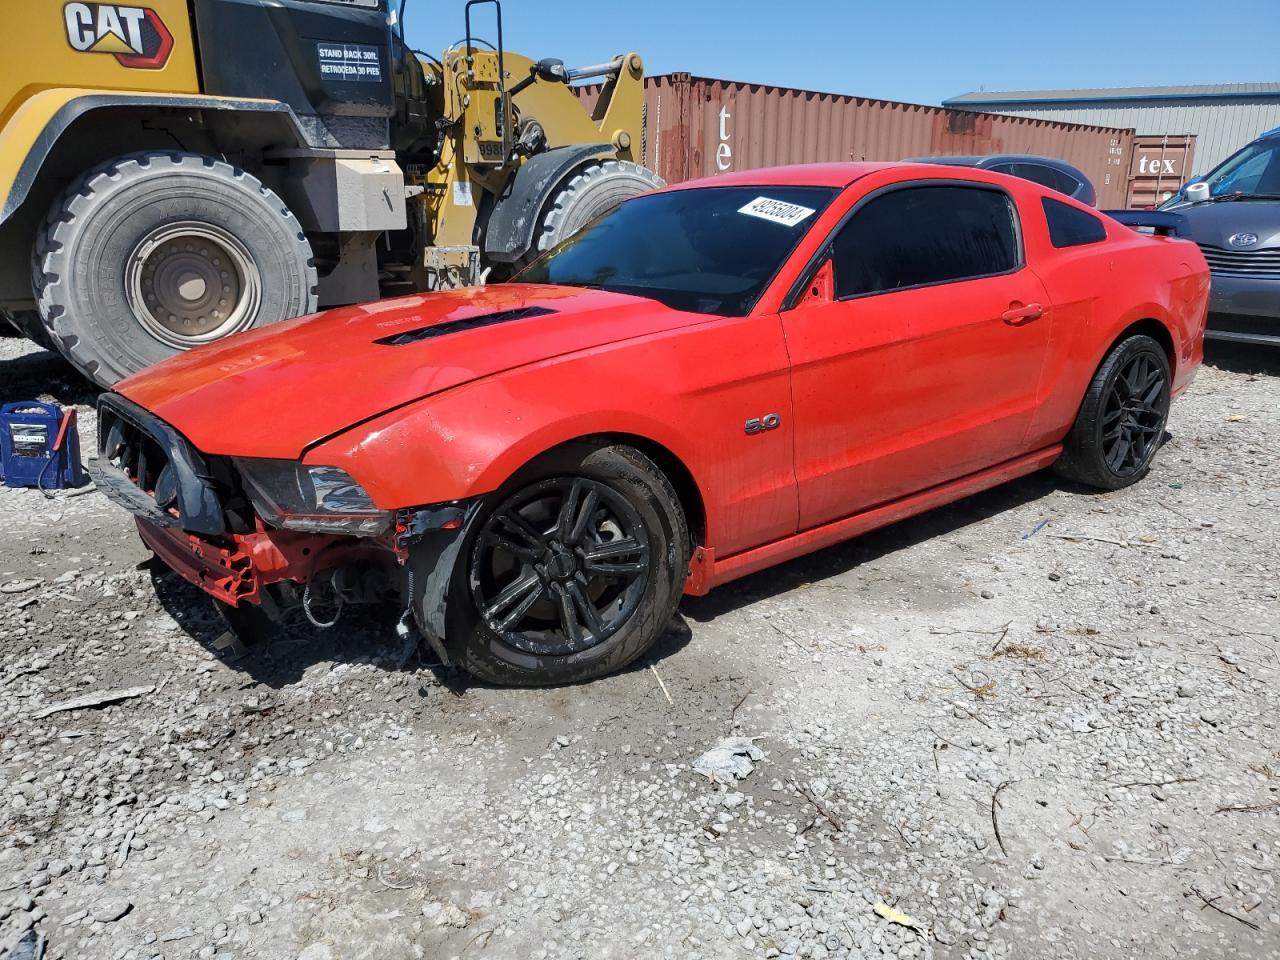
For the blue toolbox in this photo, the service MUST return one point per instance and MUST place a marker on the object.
(40, 446)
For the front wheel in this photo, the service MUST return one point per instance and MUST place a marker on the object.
(156, 253)
(572, 571)
(1122, 419)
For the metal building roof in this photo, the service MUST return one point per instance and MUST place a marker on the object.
(1208, 91)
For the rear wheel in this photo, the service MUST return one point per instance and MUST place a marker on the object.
(573, 571)
(1121, 422)
(156, 253)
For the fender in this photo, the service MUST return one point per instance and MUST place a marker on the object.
(450, 457)
(30, 134)
(467, 441)
(510, 231)
(443, 453)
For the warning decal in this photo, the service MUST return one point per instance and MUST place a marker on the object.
(29, 440)
(787, 214)
(349, 61)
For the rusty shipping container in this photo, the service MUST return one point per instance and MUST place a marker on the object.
(1161, 164)
(697, 126)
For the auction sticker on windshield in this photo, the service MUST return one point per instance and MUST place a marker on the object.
(787, 214)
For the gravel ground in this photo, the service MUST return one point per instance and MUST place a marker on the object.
(1038, 723)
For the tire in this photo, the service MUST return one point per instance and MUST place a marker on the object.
(634, 503)
(1095, 451)
(589, 192)
(171, 226)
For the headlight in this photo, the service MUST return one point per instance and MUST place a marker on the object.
(296, 496)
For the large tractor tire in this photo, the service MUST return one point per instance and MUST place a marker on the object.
(592, 190)
(156, 253)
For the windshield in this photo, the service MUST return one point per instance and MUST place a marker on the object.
(1254, 171)
(705, 250)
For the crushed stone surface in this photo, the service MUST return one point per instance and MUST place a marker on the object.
(980, 735)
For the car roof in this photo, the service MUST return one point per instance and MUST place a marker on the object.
(794, 175)
(840, 175)
(987, 160)
(950, 159)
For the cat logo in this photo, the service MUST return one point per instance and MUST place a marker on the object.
(135, 36)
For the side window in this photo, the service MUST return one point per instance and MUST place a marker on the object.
(1047, 177)
(1069, 227)
(923, 235)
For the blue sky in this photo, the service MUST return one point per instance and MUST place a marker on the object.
(921, 51)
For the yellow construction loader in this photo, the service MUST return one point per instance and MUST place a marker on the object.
(175, 171)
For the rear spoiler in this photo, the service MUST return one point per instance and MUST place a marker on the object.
(1163, 224)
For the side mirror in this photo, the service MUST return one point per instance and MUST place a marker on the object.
(1196, 192)
(822, 287)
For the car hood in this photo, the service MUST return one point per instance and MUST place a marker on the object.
(1216, 223)
(276, 391)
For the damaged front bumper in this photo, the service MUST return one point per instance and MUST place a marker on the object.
(193, 514)
(240, 568)
(262, 568)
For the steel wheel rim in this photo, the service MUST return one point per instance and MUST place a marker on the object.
(1133, 415)
(560, 567)
(190, 283)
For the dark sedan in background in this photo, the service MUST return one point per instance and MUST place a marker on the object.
(1233, 213)
(1046, 171)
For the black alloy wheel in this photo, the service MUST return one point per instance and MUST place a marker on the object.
(1122, 417)
(1134, 415)
(573, 569)
(560, 566)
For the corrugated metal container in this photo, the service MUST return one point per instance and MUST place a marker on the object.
(1160, 166)
(697, 126)
(1221, 126)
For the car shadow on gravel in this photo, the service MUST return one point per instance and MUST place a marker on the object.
(1242, 357)
(367, 635)
(872, 546)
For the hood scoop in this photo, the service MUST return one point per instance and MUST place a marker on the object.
(466, 323)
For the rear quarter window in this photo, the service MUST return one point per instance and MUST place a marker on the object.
(1069, 227)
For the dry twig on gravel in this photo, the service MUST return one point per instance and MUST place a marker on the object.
(818, 805)
(1212, 904)
(1250, 808)
(1155, 783)
(995, 822)
(661, 684)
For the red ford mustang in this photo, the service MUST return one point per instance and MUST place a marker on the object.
(709, 380)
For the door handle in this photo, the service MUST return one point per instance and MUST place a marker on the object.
(1018, 315)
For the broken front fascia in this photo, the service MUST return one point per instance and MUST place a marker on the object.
(238, 568)
(430, 545)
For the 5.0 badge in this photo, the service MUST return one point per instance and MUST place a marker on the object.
(135, 36)
(770, 421)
